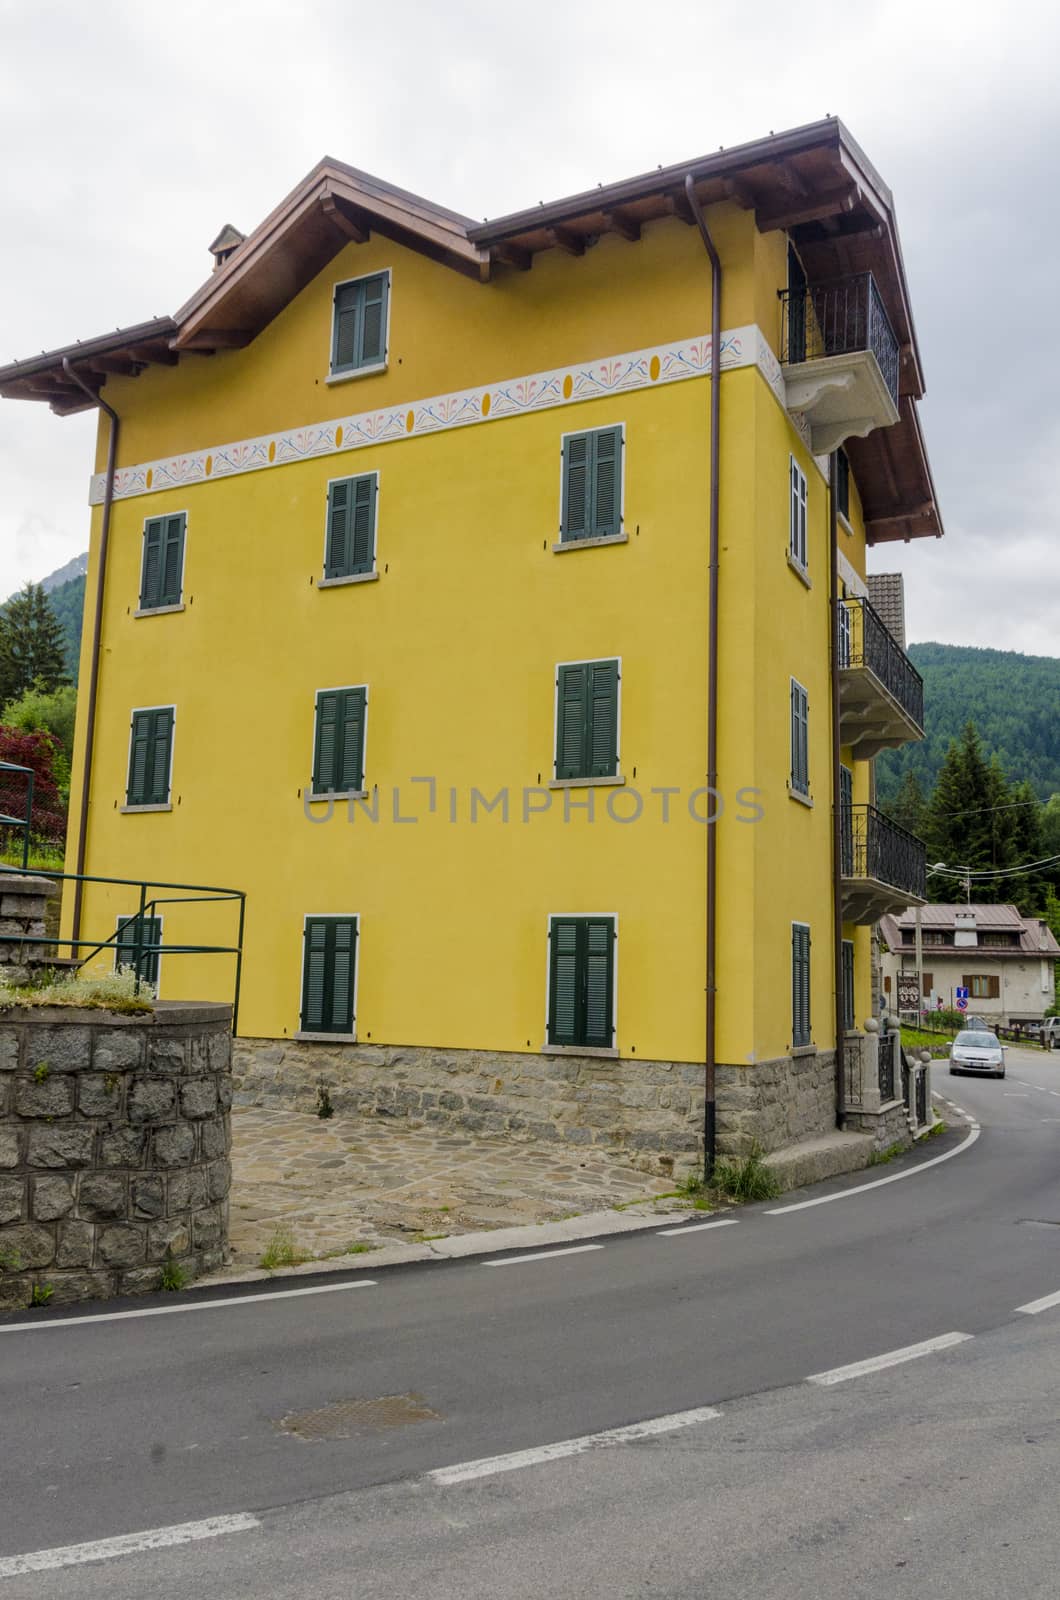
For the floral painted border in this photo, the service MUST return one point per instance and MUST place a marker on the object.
(740, 347)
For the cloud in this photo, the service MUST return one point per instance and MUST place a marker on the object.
(162, 124)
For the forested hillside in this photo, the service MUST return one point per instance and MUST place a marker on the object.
(68, 603)
(1014, 701)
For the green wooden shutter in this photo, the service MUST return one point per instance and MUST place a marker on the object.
(800, 985)
(576, 519)
(336, 555)
(603, 719)
(564, 982)
(151, 572)
(373, 321)
(572, 719)
(362, 552)
(344, 338)
(172, 577)
(599, 940)
(607, 483)
(350, 769)
(161, 749)
(848, 984)
(126, 942)
(800, 765)
(139, 758)
(326, 743)
(328, 969)
(846, 820)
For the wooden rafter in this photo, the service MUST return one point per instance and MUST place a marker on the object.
(834, 203)
(620, 222)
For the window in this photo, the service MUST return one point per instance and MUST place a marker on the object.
(587, 719)
(581, 981)
(842, 484)
(797, 542)
(983, 987)
(329, 966)
(592, 485)
(338, 745)
(150, 756)
(162, 568)
(999, 941)
(800, 985)
(934, 937)
(848, 985)
(358, 337)
(350, 542)
(142, 931)
(800, 739)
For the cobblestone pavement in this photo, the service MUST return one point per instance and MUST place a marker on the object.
(324, 1186)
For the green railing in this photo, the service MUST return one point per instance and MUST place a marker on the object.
(140, 949)
(22, 823)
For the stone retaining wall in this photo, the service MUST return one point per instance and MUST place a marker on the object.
(114, 1148)
(649, 1111)
(775, 1103)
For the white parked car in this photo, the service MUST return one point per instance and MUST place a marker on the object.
(974, 1051)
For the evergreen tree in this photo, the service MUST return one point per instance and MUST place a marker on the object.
(961, 824)
(1028, 844)
(909, 806)
(31, 645)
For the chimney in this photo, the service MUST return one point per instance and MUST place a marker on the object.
(964, 929)
(226, 244)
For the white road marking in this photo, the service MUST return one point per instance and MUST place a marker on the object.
(1010, 1096)
(488, 1465)
(698, 1227)
(894, 1177)
(125, 1544)
(542, 1255)
(892, 1358)
(198, 1305)
(1046, 1303)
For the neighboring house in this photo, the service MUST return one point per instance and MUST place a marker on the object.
(350, 664)
(1005, 960)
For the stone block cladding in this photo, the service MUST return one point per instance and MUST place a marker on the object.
(114, 1149)
(651, 1112)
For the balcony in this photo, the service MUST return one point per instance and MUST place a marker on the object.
(881, 694)
(840, 359)
(882, 869)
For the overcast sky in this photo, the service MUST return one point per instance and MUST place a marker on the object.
(132, 130)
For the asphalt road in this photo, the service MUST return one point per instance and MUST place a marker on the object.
(114, 1427)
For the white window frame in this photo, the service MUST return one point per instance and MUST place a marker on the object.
(567, 916)
(339, 794)
(346, 376)
(587, 661)
(162, 805)
(798, 518)
(179, 605)
(324, 582)
(337, 916)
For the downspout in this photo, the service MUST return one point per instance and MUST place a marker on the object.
(710, 1123)
(97, 630)
(837, 791)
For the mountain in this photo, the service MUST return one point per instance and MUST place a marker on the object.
(73, 569)
(68, 603)
(1014, 701)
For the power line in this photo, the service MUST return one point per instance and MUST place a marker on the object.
(990, 872)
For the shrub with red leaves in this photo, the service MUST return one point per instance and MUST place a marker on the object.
(36, 750)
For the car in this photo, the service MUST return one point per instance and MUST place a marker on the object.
(975, 1050)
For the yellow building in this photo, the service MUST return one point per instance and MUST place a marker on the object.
(577, 849)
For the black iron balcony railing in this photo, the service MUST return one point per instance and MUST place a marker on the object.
(877, 849)
(865, 641)
(836, 318)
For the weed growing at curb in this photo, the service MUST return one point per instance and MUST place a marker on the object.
(172, 1277)
(880, 1158)
(933, 1132)
(281, 1251)
(42, 1293)
(746, 1180)
(325, 1108)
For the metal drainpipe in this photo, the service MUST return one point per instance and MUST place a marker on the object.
(97, 630)
(837, 786)
(710, 1125)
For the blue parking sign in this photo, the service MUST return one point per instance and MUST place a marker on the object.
(962, 993)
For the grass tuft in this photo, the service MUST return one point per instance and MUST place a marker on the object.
(111, 991)
(281, 1251)
(746, 1180)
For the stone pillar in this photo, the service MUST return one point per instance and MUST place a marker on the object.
(23, 908)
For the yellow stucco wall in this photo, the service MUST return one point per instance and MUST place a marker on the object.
(458, 641)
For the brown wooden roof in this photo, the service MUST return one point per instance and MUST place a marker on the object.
(813, 182)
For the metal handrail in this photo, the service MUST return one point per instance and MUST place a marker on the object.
(21, 822)
(196, 894)
(875, 847)
(866, 641)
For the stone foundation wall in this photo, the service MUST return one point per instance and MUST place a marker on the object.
(649, 1111)
(888, 1126)
(114, 1149)
(775, 1103)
